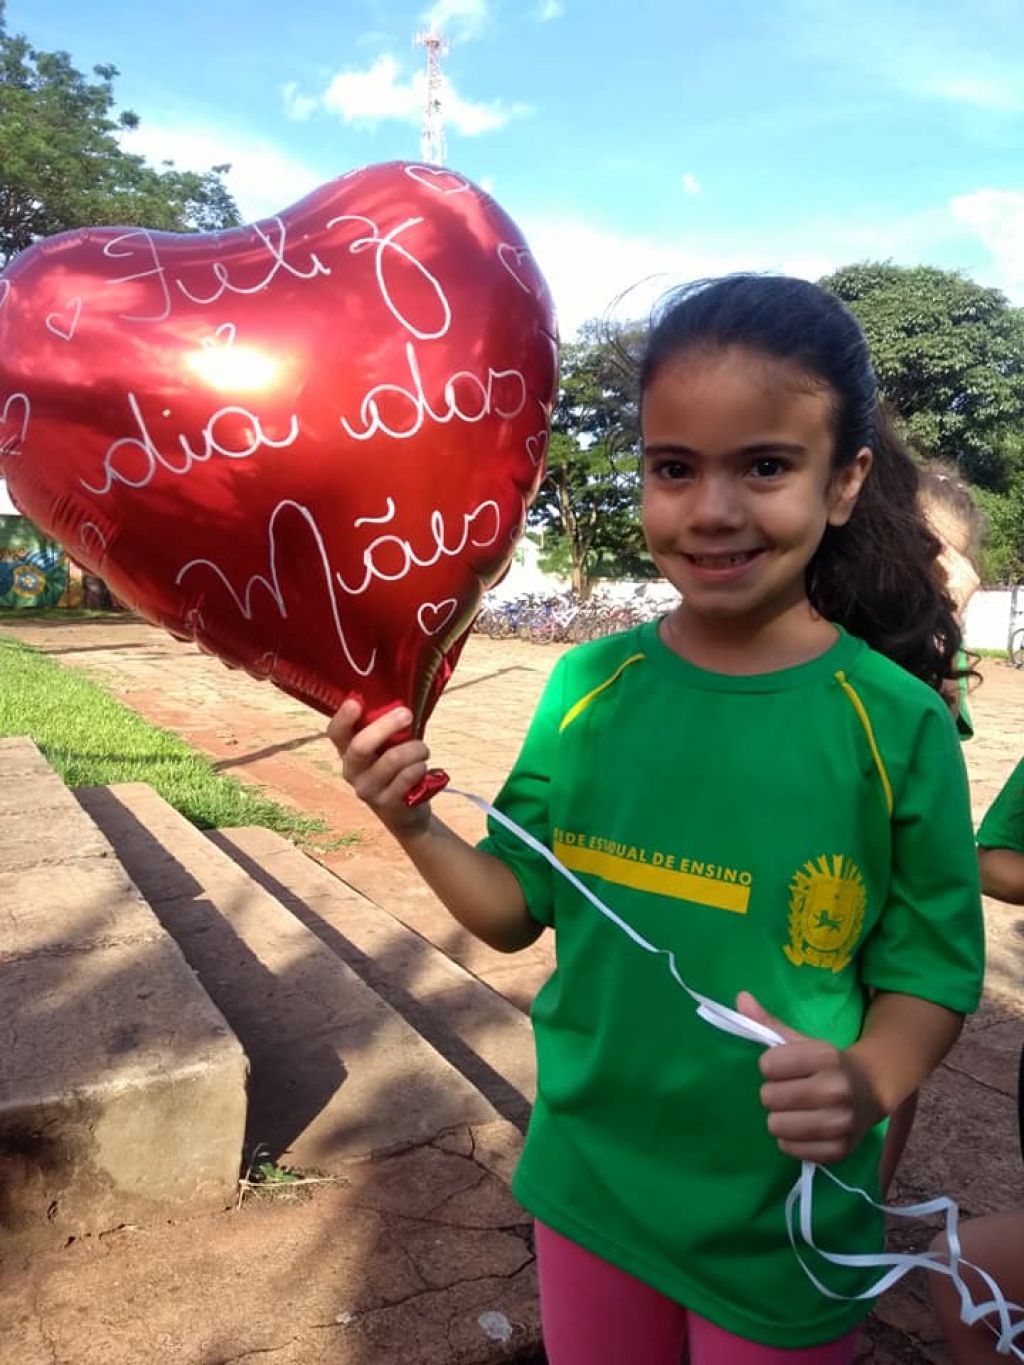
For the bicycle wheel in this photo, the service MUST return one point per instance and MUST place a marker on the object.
(1017, 648)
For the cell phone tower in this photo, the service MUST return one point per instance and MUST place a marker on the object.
(432, 141)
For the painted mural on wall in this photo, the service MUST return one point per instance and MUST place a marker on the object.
(34, 570)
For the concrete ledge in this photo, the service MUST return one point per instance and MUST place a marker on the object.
(122, 1089)
(337, 1074)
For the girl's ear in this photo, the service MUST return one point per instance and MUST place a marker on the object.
(846, 485)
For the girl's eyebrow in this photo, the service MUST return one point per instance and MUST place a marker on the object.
(758, 448)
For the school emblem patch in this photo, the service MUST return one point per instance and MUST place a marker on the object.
(827, 899)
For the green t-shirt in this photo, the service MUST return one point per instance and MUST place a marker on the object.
(1003, 825)
(964, 721)
(743, 823)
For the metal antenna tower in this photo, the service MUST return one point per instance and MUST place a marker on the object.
(432, 140)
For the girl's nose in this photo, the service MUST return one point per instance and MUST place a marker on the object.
(715, 505)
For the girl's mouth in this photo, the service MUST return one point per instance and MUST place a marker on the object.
(723, 561)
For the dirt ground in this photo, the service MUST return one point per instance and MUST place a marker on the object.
(965, 1141)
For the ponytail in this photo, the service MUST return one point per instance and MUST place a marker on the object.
(879, 576)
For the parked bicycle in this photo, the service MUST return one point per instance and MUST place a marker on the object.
(564, 618)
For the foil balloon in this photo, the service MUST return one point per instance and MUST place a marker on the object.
(308, 443)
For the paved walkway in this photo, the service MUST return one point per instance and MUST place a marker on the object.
(258, 734)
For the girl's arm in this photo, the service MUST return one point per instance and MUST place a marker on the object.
(1002, 874)
(821, 1099)
(478, 889)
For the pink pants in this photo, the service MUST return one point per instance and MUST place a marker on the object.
(595, 1314)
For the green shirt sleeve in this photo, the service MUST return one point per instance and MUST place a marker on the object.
(1003, 825)
(929, 940)
(525, 798)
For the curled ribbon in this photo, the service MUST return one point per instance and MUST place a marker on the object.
(799, 1206)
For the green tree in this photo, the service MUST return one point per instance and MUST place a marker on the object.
(1002, 553)
(589, 501)
(62, 166)
(949, 355)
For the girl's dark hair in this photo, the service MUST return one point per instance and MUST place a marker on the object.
(878, 576)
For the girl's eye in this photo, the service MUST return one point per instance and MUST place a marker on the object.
(768, 467)
(672, 469)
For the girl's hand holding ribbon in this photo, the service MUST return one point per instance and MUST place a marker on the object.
(820, 1102)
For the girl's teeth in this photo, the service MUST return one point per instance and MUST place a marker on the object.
(721, 561)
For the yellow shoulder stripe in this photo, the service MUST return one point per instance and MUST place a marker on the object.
(579, 707)
(865, 721)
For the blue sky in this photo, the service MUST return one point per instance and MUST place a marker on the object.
(651, 141)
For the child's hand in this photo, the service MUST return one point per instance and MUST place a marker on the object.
(819, 1101)
(381, 776)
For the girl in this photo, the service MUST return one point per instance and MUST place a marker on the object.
(995, 1242)
(766, 783)
(951, 513)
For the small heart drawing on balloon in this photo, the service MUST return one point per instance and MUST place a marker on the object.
(60, 324)
(11, 440)
(95, 534)
(537, 448)
(224, 336)
(515, 259)
(434, 616)
(438, 179)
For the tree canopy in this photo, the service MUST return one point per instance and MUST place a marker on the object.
(590, 498)
(62, 165)
(949, 354)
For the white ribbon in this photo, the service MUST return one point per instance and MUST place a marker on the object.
(799, 1207)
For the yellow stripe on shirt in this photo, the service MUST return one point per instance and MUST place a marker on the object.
(659, 881)
(579, 707)
(865, 720)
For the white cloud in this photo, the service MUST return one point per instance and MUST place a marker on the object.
(382, 91)
(296, 105)
(375, 94)
(996, 218)
(691, 184)
(983, 92)
(263, 178)
(462, 20)
(595, 271)
(548, 10)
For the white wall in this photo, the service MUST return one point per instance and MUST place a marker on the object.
(987, 621)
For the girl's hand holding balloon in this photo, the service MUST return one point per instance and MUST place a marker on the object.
(380, 774)
(481, 892)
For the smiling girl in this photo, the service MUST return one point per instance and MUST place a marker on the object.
(783, 725)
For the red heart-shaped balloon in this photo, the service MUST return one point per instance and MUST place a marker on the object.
(308, 443)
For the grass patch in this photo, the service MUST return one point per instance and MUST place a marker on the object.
(93, 740)
(265, 1177)
(20, 616)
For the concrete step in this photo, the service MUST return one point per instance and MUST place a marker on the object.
(398, 886)
(122, 1088)
(336, 1073)
(480, 1032)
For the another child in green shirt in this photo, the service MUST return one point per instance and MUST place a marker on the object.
(767, 786)
(997, 1241)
